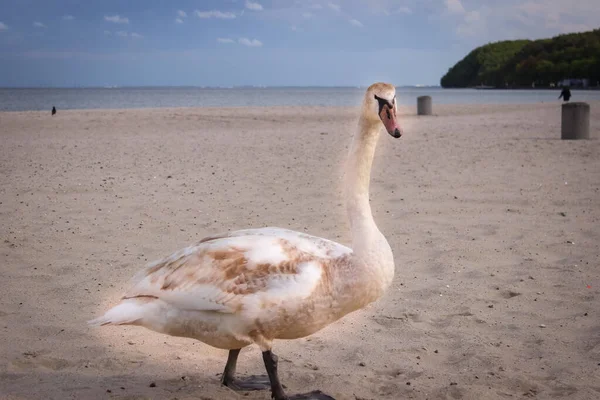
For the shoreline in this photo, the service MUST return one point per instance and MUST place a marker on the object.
(158, 98)
(439, 109)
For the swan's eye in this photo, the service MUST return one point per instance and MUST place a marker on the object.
(382, 103)
(388, 114)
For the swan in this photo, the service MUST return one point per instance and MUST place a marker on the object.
(256, 285)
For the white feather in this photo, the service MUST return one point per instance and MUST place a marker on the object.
(127, 312)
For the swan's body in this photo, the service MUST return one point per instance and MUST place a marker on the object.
(257, 285)
(248, 286)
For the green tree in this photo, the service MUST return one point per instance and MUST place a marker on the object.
(521, 62)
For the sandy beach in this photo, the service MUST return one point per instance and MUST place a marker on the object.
(493, 220)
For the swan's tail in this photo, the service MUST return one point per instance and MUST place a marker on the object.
(128, 312)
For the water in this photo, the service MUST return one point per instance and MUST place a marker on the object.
(111, 98)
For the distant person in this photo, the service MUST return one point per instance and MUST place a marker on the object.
(53, 110)
(565, 94)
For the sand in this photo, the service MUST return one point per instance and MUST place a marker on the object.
(493, 220)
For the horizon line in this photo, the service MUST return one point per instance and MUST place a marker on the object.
(209, 87)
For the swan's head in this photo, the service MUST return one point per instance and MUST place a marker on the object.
(380, 105)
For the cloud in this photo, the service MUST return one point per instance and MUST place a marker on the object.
(39, 25)
(117, 19)
(3, 26)
(334, 7)
(475, 23)
(133, 35)
(181, 14)
(557, 16)
(489, 20)
(472, 16)
(214, 14)
(307, 15)
(404, 10)
(68, 17)
(250, 42)
(179, 20)
(244, 41)
(316, 7)
(250, 5)
(455, 7)
(471, 25)
(356, 23)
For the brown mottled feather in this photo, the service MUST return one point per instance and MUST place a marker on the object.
(221, 270)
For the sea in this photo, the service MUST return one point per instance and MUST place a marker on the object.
(26, 99)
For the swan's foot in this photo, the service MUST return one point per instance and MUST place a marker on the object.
(315, 395)
(254, 382)
(277, 392)
(249, 383)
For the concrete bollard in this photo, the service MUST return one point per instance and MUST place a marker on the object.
(575, 122)
(424, 105)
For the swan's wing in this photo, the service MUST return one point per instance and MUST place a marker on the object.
(224, 273)
(304, 242)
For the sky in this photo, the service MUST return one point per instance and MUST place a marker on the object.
(226, 43)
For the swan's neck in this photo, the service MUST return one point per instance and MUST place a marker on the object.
(358, 177)
(368, 243)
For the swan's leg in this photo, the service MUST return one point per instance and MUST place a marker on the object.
(254, 382)
(277, 392)
(270, 360)
(229, 372)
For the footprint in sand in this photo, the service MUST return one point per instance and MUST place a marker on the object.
(33, 359)
(404, 374)
(315, 344)
(390, 321)
(509, 294)
(445, 321)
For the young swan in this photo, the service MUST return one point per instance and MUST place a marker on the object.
(258, 285)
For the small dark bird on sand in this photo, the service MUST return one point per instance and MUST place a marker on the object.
(53, 110)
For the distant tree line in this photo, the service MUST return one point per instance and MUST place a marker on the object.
(521, 63)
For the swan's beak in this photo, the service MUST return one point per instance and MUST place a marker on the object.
(388, 117)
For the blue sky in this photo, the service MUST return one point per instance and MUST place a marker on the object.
(262, 42)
